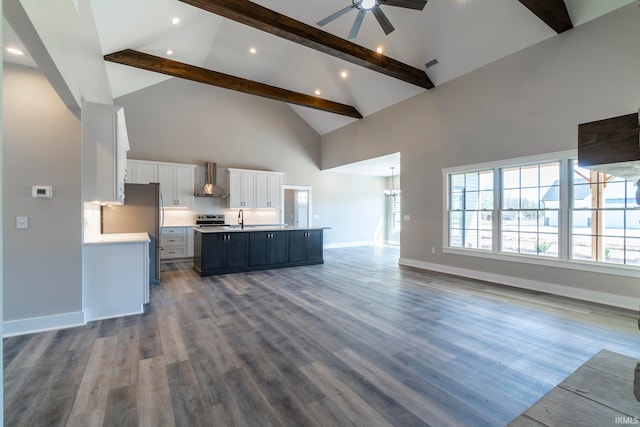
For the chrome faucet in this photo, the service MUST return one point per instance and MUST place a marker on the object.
(241, 218)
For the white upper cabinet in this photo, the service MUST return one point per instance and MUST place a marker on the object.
(141, 172)
(254, 189)
(176, 180)
(268, 188)
(104, 152)
(242, 189)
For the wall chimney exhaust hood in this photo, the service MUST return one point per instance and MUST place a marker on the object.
(210, 189)
(611, 146)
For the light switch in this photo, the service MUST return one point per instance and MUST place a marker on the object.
(22, 222)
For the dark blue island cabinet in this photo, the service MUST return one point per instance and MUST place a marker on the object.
(249, 249)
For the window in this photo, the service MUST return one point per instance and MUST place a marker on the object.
(471, 210)
(605, 218)
(529, 211)
(545, 207)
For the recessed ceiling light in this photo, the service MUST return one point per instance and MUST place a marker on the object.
(15, 51)
(175, 20)
(344, 74)
(253, 50)
(379, 49)
(318, 92)
(169, 52)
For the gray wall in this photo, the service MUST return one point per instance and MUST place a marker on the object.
(528, 103)
(42, 265)
(186, 122)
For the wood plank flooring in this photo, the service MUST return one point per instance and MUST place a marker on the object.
(357, 341)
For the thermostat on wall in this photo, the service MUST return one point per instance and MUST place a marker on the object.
(42, 192)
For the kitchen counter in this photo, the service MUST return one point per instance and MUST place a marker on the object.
(250, 228)
(224, 250)
(114, 238)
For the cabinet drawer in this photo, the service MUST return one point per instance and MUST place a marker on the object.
(171, 240)
(174, 231)
(174, 252)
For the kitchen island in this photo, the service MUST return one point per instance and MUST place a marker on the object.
(222, 250)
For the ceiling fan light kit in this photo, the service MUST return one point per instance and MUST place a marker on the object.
(374, 6)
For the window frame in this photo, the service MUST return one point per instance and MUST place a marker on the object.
(563, 260)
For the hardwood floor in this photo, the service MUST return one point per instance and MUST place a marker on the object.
(358, 341)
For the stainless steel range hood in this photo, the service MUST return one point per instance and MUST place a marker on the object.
(210, 189)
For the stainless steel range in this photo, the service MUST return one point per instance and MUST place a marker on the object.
(215, 220)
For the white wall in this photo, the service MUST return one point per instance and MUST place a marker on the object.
(42, 265)
(1, 238)
(187, 122)
(528, 103)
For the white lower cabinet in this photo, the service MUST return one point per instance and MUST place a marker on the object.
(177, 242)
(115, 279)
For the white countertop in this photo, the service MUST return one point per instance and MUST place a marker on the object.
(105, 239)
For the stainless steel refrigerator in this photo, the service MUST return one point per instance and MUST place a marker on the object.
(141, 213)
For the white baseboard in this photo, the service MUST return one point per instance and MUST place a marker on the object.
(347, 245)
(621, 301)
(41, 324)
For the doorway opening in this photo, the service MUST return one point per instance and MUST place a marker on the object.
(296, 209)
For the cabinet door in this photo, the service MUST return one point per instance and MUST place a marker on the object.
(314, 245)
(213, 251)
(259, 248)
(274, 190)
(248, 190)
(268, 190)
(167, 180)
(297, 246)
(141, 173)
(236, 250)
(190, 241)
(184, 185)
(242, 189)
(279, 247)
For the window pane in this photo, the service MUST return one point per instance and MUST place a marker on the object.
(472, 181)
(528, 243)
(631, 195)
(581, 194)
(509, 242)
(613, 249)
(548, 244)
(471, 238)
(633, 250)
(509, 221)
(511, 178)
(581, 247)
(486, 200)
(486, 239)
(511, 199)
(486, 180)
(529, 198)
(529, 176)
(581, 222)
(455, 219)
(614, 194)
(457, 182)
(471, 200)
(456, 200)
(549, 174)
(613, 223)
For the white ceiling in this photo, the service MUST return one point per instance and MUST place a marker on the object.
(461, 34)
(379, 166)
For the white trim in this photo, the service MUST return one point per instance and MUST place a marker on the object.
(596, 267)
(41, 324)
(519, 161)
(300, 188)
(348, 244)
(615, 300)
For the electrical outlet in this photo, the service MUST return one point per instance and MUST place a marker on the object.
(433, 249)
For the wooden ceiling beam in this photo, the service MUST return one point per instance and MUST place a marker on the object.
(173, 68)
(553, 12)
(261, 18)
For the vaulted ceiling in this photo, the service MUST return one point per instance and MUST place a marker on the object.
(462, 35)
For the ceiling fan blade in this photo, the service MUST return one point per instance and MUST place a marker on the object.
(382, 20)
(336, 15)
(407, 4)
(356, 25)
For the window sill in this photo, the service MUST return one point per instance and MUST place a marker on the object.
(613, 269)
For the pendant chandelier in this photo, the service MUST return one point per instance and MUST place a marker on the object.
(393, 192)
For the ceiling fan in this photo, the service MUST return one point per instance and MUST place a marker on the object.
(374, 6)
